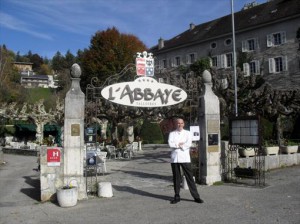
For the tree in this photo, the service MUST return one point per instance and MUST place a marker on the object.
(200, 65)
(8, 76)
(109, 52)
(69, 59)
(37, 61)
(58, 62)
(44, 70)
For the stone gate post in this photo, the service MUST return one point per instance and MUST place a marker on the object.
(73, 151)
(209, 122)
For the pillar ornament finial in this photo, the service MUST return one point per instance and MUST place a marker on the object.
(75, 71)
(206, 77)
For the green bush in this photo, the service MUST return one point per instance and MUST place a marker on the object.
(151, 133)
(267, 129)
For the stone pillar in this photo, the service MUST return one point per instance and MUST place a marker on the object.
(74, 134)
(209, 118)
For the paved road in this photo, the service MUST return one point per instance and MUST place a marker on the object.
(142, 190)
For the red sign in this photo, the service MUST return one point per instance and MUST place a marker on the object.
(53, 156)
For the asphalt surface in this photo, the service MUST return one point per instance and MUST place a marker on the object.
(142, 189)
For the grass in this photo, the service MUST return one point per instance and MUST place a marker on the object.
(36, 94)
(218, 183)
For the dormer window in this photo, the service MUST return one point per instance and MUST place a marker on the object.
(274, 11)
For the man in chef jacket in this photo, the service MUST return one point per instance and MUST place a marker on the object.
(180, 142)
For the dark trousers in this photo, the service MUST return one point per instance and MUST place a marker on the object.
(187, 172)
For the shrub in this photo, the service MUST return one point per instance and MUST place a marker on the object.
(151, 133)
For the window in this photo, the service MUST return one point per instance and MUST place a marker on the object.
(163, 64)
(161, 80)
(222, 61)
(215, 61)
(213, 45)
(177, 61)
(228, 41)
(278, 64)
(251, 68)
(249, 45)
(275, 39)
(191, 58)
(228, 60)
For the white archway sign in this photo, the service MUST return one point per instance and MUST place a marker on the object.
(144, 92)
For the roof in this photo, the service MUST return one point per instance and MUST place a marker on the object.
(260, 15)
(23, 63)
(32, 127)
(34, 77)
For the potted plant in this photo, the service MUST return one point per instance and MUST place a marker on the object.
(289, 147)
(67, 196)
(270, 147)
(246, 151)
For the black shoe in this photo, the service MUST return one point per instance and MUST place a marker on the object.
(198, 200)
(175, 201)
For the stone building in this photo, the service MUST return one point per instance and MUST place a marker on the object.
(23, 66)
(267, 43)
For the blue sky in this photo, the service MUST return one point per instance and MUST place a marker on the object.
(48, 26)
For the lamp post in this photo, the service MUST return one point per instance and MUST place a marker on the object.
(234, 61)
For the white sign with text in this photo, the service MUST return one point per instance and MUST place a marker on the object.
(144, 92)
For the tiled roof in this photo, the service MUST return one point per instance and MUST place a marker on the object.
(251, 18)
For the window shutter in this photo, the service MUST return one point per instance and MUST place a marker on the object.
(271, 65)
(257, 67)
(246, 69)
(219, 61)
(269, 40)
(283, 37)
(244, 46)
(256, 44)
(187, 59)
(210, 62)
(284, 63)
(171, 62)
(223, 60)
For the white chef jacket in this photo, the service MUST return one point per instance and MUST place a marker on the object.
(179, 155)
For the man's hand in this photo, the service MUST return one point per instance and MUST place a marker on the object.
(180, 144)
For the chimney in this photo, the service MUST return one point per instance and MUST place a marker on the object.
(161, 43)
(192, 26)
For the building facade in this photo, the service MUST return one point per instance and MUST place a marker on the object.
(30, 79)
(267, 43)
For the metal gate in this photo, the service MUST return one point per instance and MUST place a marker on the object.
(246, 136)
(98, 108)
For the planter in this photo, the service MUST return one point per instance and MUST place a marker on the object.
(67, 197)
(271, 150)
(246, 152)
(289, 149)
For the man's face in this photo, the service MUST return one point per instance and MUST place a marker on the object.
(180, 124)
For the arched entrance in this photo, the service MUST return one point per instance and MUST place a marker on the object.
(104, 116)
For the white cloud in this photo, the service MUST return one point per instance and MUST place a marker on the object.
(13, 23)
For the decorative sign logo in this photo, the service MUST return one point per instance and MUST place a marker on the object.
(144, 92)
(144, 64)
(53, 156)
